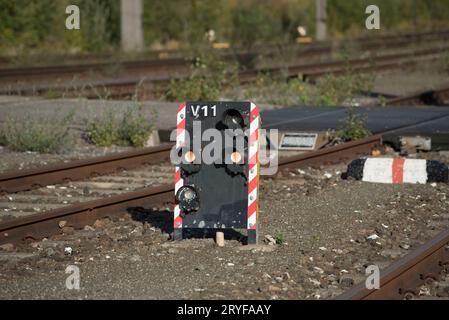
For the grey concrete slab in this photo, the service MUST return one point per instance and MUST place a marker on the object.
(297, 118)
(84, 109)
(378, 119)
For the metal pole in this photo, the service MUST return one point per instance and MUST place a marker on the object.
(131, 25)
(321, 20)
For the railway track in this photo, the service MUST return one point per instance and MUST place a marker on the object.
(63, 194)
(104, 172)
(45, 224)
(156, 85)
(399, 281)
(21, 180)
(402, 278)
(171, 59)
(437, 97)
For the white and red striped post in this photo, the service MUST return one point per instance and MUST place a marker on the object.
(179, 182)
(253, 175)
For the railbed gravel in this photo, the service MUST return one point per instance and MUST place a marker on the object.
(330, 229)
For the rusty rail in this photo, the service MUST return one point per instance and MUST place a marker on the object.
(389, 41)
(38, 226)
(45, 224)
(153, 85)
(428, 97)
(20, 180)
(401, 279)
(333, 155)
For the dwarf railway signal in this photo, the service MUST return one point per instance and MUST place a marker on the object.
(217, 167)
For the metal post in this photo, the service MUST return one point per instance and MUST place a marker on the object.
(321, 20)
(131, 25)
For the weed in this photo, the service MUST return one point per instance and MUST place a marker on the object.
(354, 127)
(132, 128)
(38, 134)
(103, 131)
(210, 76)
(382, 101)
(135, 129)
(335, 90)
(53, 94)
(328, 91)
(194, 88)
(279, 237)
(278, 90)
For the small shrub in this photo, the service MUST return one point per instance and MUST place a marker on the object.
(39, 134)
(382, 101)
(210, 76)
(135, 129)
(328, 91)
(195, 88)
(354, 127)
(132, 128)
(53, 94)
(103, 131)
(335, 90)
(280, 239)
(278, 91)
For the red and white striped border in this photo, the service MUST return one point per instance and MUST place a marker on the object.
(180, 140)
(253, 175)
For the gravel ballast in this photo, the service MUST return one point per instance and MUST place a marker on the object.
(327, 230)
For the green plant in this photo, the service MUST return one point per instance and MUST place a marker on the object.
(329, 90)
(334, 90)
(135, 129)
(354, 127)
(37, 134)
(53, 94)
(210, 76)
(279, 237)
(194, 88)
(382, 101)
(278, 90)
(103, 131)
(39, 24)
(131, 128)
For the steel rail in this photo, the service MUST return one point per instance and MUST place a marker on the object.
(428, 97)
(393, 41)
(154, 83)
(20, 180)
(332, 155)
(45, 224)
(41, 225)
(402, 278)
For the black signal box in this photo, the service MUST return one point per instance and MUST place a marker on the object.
(217, 168)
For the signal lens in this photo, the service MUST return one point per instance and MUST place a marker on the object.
(236, 157)
(233, 119)
(188, 199)
(190, 157)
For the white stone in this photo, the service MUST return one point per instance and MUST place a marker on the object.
(68, 251)
(373, 237)
(153, 139)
